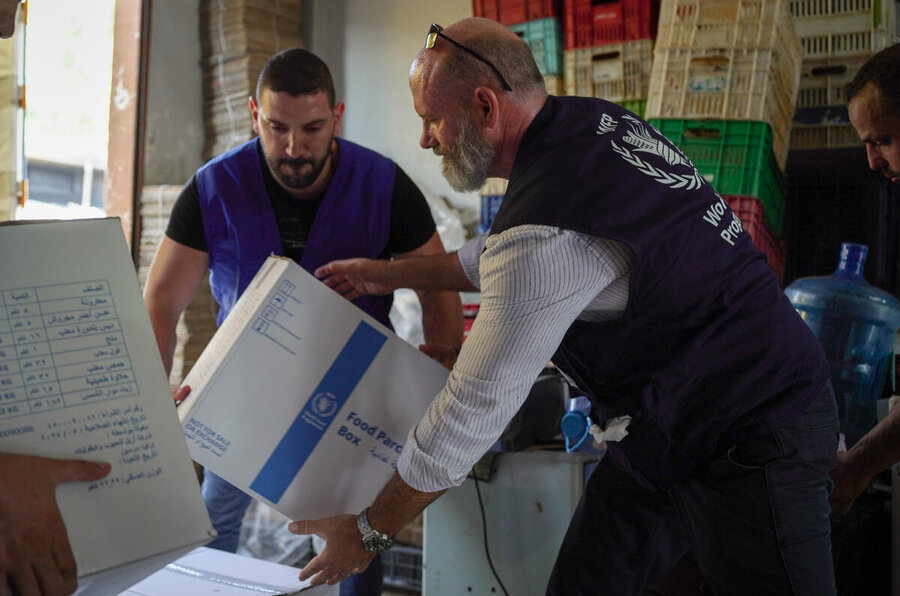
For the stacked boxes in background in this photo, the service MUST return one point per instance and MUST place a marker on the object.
(544, 37)
(609, 49)
(538, 23)
(837, 37)
(237, 37)
(723, 87)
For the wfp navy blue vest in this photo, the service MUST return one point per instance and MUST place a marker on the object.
(353, 220)
(708, 351)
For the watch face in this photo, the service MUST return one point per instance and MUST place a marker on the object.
(377, 542)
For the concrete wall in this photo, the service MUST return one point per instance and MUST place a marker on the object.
(369, 45)
(174, 135)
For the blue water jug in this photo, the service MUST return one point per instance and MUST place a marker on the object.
(856, 324)
(576, 426)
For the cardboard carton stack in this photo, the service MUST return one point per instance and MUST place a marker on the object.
(237, 37)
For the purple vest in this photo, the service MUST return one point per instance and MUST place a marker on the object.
(709, 350)
(353, 220)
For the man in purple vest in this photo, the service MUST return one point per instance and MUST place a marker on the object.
(300, 191)
(612, 256)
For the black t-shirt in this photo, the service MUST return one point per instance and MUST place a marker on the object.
(411, 221)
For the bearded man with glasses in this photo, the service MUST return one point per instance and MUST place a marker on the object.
(612, 256)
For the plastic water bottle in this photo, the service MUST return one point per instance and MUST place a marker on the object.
(856, 324)
(576, 426)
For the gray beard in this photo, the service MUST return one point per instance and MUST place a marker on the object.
(467, 160)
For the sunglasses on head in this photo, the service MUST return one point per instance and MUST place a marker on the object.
(436, 31)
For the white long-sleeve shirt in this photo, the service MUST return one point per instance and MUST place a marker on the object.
(535, 281)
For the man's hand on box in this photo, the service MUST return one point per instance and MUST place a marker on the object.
(35, 555)
(179, 393)
(344, 552)
(446, 355)
(352, 278)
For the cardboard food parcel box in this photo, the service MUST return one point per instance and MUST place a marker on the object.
(81, 377)
(303, 400)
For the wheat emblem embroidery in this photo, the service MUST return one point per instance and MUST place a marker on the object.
(642, 140)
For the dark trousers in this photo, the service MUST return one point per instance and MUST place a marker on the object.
(757, 516)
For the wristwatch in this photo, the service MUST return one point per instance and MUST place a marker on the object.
(373, 540)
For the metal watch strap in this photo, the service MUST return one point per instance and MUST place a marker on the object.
(373, 540)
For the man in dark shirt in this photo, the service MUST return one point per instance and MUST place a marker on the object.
(873, 102)
(300, 191)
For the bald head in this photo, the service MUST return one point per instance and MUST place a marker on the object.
(457, 72)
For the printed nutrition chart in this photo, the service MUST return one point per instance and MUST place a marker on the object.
(81, 377)
(61, 346)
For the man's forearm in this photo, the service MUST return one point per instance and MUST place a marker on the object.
(441, 318)
(433, 272)
(397, 505)
(879, 449)
(165, 334)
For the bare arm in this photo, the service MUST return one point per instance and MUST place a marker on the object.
(876, 451)
(441, 309)
(356, 277)
(175, 275)
(35, 555)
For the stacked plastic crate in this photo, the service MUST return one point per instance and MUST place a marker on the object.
(837, 38)
(723, 87)
(538, 23)
(609, 49)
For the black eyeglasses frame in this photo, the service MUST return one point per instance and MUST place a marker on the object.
(437, 31)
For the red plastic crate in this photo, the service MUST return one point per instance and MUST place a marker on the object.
(641, 17)
(607, 23)
(598, 22)
(578, 24)
(750, 211)
(469, 311)
(511, 12)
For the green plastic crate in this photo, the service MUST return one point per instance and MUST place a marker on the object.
(635, 106)
(735, 156)
(544, 37)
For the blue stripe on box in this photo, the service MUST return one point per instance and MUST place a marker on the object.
(311, 423)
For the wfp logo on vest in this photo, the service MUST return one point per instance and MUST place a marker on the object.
(324, 405)
(719, 212)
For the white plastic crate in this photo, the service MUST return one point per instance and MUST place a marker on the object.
(725, 23)
(830, 28)
(493, 187)
(616, 72)
(727, 84)
(823, 136)
(823, 81)
(554, 84)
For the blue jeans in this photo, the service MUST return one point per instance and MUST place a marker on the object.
(756, 514)
(227, 506)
